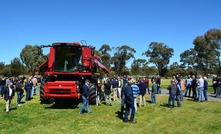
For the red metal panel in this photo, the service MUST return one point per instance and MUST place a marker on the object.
(61, 89)
(51, 59)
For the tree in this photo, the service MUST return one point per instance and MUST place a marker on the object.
(137, 66)
(2, 65)
(105, 55)
(31, 59)
(121, 56)
(159, 54)
(213, 38)
(16, 67)
(189, 58)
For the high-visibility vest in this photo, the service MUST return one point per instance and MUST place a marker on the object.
(182, 85)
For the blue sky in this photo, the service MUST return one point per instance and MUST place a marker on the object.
(135, 23)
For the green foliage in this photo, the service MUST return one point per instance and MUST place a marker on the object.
(121, 56)
(16, 67)
(31, 59)
(159, 54)
(105, 55)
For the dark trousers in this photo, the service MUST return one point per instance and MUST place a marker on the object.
(188, 91)
(178, 100)
(194, 93)
(205, 95)
(128, 107)
(171, 98)
(214, 88)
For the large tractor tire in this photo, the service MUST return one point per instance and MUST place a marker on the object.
(44, 100)
(92, 95)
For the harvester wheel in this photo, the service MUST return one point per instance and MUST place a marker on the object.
(92, 96)
(44, 100)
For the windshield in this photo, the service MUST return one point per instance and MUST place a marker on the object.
(67, 58)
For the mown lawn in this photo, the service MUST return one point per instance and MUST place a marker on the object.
(33, 117)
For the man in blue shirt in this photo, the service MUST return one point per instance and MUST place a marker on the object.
(85, 96)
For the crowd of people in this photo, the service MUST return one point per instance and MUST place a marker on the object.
(11, 85)
(127, 89)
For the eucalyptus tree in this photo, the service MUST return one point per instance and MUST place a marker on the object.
(121, 56)
(159, 54)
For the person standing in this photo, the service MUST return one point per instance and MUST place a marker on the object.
(2, 86)
(20, 91)
(8, 94)
(194, 86)
(215, 83)
(158, 82)
(205, 89)
(35, 85)
(200, 83)
(154, 91)
(178, 92)
(146, 81)
(107, 91)
(172, 93)
(115, 87)
(85, 96)
(129, 100)
(28, 89)
(188, 86)
(136, 91)
(142, 86)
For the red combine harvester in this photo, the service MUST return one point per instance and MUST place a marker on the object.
(65, 71)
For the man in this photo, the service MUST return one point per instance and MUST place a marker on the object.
(200, 83)
(115, 87)
(158, 82)
(8, 94)
(20, 91)
(107, 91)
(35, 85)
(129, 100)
(142, 86)
(85, 96)
(172, 91)
(188, 85)
(136, 91)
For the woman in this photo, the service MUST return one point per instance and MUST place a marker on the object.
(8, 94)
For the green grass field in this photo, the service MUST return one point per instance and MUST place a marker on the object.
(33, 117)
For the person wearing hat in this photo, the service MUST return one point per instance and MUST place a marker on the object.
(129, 100)
(85, 96)
(8, 94)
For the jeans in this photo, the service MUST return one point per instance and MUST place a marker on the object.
(1, 90)
(128, 107)
(153, 98)
(34, 89)
(19, 97)
(205, 95)
(28, 94)
(178, 100)
(171, 98)
(158, 90)
(85, 104)
(200, 94)
(218, 91)
(181, 95)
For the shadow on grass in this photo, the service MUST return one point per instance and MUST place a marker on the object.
(119, 115)
(64, 104)
(164, 105)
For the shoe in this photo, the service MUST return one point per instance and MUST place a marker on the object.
(110, 104)
(125, 121)
(133, 121)
(19, 105)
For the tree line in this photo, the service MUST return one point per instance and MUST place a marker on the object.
(203, 58)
